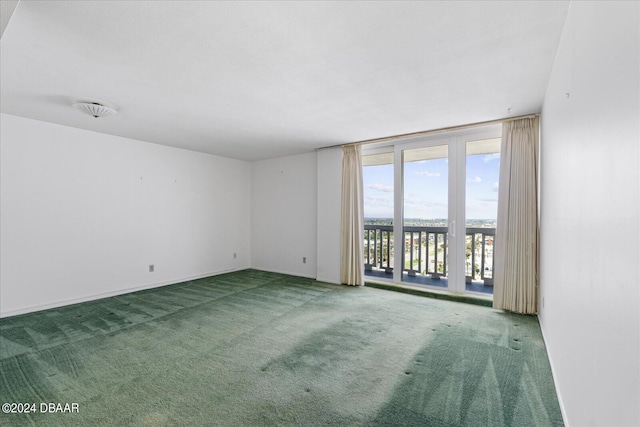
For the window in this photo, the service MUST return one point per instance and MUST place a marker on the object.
(434, 200)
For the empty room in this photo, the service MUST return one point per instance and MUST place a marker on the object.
(279, 213)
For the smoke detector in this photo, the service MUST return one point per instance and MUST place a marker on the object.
(94, 109)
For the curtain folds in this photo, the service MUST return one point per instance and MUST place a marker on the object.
(516, 240)
(352, 218)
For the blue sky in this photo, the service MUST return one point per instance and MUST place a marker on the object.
(426, 188)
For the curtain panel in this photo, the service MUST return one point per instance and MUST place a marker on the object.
(516, 240)
(352, 218)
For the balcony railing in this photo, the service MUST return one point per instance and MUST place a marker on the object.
(479, 244)
(426, 249)
(378, 247)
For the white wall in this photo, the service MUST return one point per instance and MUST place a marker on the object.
(283, 214)
(329, 201)
(590, 218)
(83, 214)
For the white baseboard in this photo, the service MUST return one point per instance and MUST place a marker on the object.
(553, 374)
(332, 281)
(101, 295)
(289, 273)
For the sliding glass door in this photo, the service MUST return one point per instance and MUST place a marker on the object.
(378, 181)
(426, 215)
(430, 211)
(481, 212)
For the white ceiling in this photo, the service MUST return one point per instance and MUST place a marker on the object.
(254, 80)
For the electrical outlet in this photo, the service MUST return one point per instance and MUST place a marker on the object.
(304, 259)
(235, 255)
(152, 268)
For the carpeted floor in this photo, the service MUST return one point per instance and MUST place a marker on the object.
(257, 349)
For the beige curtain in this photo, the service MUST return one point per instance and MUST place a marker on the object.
(352, 221)
(516, 241)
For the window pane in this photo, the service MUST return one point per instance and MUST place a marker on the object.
(426, 209)
(377, 174)
(482, 171)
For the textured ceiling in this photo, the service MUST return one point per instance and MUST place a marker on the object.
(254, 80)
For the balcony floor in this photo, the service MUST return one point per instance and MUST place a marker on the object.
(476, 286)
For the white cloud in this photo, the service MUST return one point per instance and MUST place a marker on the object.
(488, 200)
(380, 187)
(427, 173)
(491, 157)
(417, 201)
(378, 200)
(494, 187)
(476, 179)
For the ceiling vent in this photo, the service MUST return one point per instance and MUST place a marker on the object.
(94, 109)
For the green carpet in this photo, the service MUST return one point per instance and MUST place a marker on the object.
(256, 349)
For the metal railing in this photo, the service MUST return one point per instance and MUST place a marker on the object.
(379, 255)
(426, 249)
(479, 244)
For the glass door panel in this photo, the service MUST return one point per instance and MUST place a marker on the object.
(377, 176)
(425, 215)
(481, 212)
